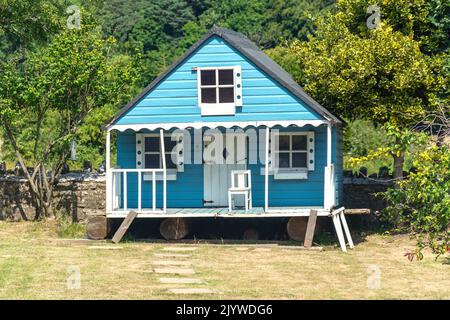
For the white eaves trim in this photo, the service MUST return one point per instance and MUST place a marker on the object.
(204, 124)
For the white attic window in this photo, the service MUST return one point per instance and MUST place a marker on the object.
(219, 90)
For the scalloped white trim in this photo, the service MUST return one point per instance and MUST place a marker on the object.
(199, 125)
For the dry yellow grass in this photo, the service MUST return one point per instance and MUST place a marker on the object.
(34, 262)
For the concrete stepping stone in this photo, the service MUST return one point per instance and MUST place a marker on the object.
(104, 248)
(262, 250)
(174, 270)
(172, 255)
(179, 249)
(191, 290)
(172, 263)
(242, 249)
(180, 280)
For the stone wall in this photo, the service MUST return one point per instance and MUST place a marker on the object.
(359, 193)
(79, 194)
(83, 195)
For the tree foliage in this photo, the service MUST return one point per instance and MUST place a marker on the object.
(421, 204)
(45, 100)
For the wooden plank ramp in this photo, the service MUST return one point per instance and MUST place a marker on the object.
(124, 226)
(310, 228)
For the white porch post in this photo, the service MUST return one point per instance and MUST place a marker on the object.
(109, 195)
(266, 173)
(328, 198)
(163, 158)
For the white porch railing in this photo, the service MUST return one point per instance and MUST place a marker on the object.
(119, 189)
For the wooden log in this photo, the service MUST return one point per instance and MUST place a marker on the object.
(250, 234)
(97, 227)
(311, 227)
(296, 228)
(124, 226)
(357, 211)
(174, 228)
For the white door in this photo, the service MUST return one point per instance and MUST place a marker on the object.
(220, 158)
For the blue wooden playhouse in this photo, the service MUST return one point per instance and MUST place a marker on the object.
(223, 118)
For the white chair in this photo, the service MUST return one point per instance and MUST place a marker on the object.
(241, 184)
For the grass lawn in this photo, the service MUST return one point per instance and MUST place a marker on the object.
(34, 264)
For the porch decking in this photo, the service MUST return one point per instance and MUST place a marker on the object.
(256, 212)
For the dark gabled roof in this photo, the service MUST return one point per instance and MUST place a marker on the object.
(254, 54)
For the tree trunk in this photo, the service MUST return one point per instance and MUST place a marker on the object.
(398, 166)
(174, 228)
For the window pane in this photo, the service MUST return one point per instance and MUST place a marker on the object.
(152, 161)
(208, 77)
(225, 76)
(298, 142)
(152, 144)
(209, 95)
(283, 160)
(226, 95)
(169, 144)
(169, 163)
(283, 142)
(299, 160)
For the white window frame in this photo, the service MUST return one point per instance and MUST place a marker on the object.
(140, 158)
(292, 172)
(291, 151)
(228, 108)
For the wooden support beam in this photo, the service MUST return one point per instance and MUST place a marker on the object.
(310, 228)
(124, 226)
(346, 230)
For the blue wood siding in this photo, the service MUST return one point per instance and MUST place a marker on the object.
(187, 190)
(175, 98)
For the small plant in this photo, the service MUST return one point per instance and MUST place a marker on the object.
(69, 229)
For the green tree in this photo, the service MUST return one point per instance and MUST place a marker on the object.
(45, 101)
(376, 74)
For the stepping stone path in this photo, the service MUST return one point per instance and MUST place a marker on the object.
(177, 264)
(180, 280)
(172, 263)
(179, 249)
(174, 271)
(172, 255)
(191, 290)
(104, 248)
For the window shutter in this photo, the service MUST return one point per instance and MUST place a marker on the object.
(139, 151)
(238, 86)
(179, 149)
(311, 150)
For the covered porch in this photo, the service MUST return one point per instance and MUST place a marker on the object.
(146, 190)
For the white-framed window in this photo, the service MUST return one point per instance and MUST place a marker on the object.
(292, 151)
(148, 151)
(291, 155)
(219, 89)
